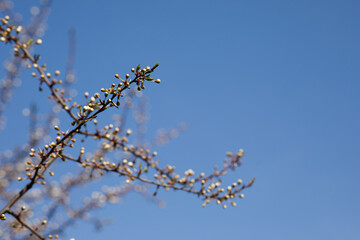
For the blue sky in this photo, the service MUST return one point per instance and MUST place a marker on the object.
(280, 79)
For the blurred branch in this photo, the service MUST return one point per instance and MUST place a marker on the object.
(13, 66)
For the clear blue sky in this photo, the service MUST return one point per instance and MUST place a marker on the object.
(280, 79)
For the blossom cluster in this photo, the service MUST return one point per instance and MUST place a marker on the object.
(139, 163)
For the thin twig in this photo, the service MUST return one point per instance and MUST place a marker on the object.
(23, 223)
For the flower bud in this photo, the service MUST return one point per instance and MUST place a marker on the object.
(18, 29)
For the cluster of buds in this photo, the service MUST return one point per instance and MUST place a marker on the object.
(112, 95)
(6, 30)
(143, 161)
(142, 75)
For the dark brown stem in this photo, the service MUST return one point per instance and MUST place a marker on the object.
(23, 223)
